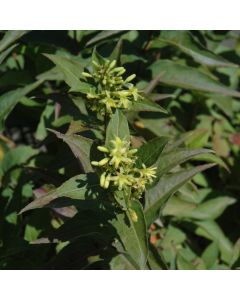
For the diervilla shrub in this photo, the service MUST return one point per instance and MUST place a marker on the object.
(124, 189)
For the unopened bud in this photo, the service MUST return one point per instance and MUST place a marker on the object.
(102, 179)
(112, 64)
(88, 75)
(103, 162)
(103, 149)
(130, 78)
(133, 215)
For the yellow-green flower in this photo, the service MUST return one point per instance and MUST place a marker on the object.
(122, 180)
(119, 168)
(148, 173)
(111, 91)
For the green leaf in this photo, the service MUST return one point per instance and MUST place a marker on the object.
(16, 157)
(104, 34)
(10, 99)
(157, 196)
(212, 158)
(184, 41)
(184, 264)
(99, 59)
(210, 209)
(197, 138)
(80, 187)
(80, 146)
(210, 255)
(53, 74)
(169, 160)
(84, 223)
(211, 230)
(71, 69)
(118, 126)
(155, 261)
(133, 235)
(123, 262)
(116, 53)
(10, 37)
(5, 53)
(186, 77)
(46, 119)
(149, 153)
(146, 105)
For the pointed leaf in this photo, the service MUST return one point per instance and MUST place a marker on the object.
(118, 126)
(210, 255)
(149, 153)
(71, 69)
(146, 105)
(184, 41)
(166, 187)
(10, 99)
(5, 53)
(211, 230)
(210, 209)
(116, 53)
(104, 34)
(80, 146)
(80, 187)
(185, 77)
(133, 234)
(169, 160)
(10, 37)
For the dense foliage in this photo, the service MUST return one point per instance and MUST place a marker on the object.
(119, 150)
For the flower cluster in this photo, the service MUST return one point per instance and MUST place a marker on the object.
(110, 90)
(119, 167)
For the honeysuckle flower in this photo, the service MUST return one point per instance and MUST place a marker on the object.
(122, 180)
(112, 90)
(148, 173)
(119, 168)
(134, 92)
(123, 102)
(109, 103)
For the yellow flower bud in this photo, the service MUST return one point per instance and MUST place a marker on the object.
(88, 75)
(133, 215)
(107, 182)
(119, 70)
(102, 179)
(103, 149)
(112, 64)
(130, 78)
(95, 64)
(103, 161)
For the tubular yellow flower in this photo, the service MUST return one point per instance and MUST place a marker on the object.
(119, 168)
(122, 180)
(148, 173)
